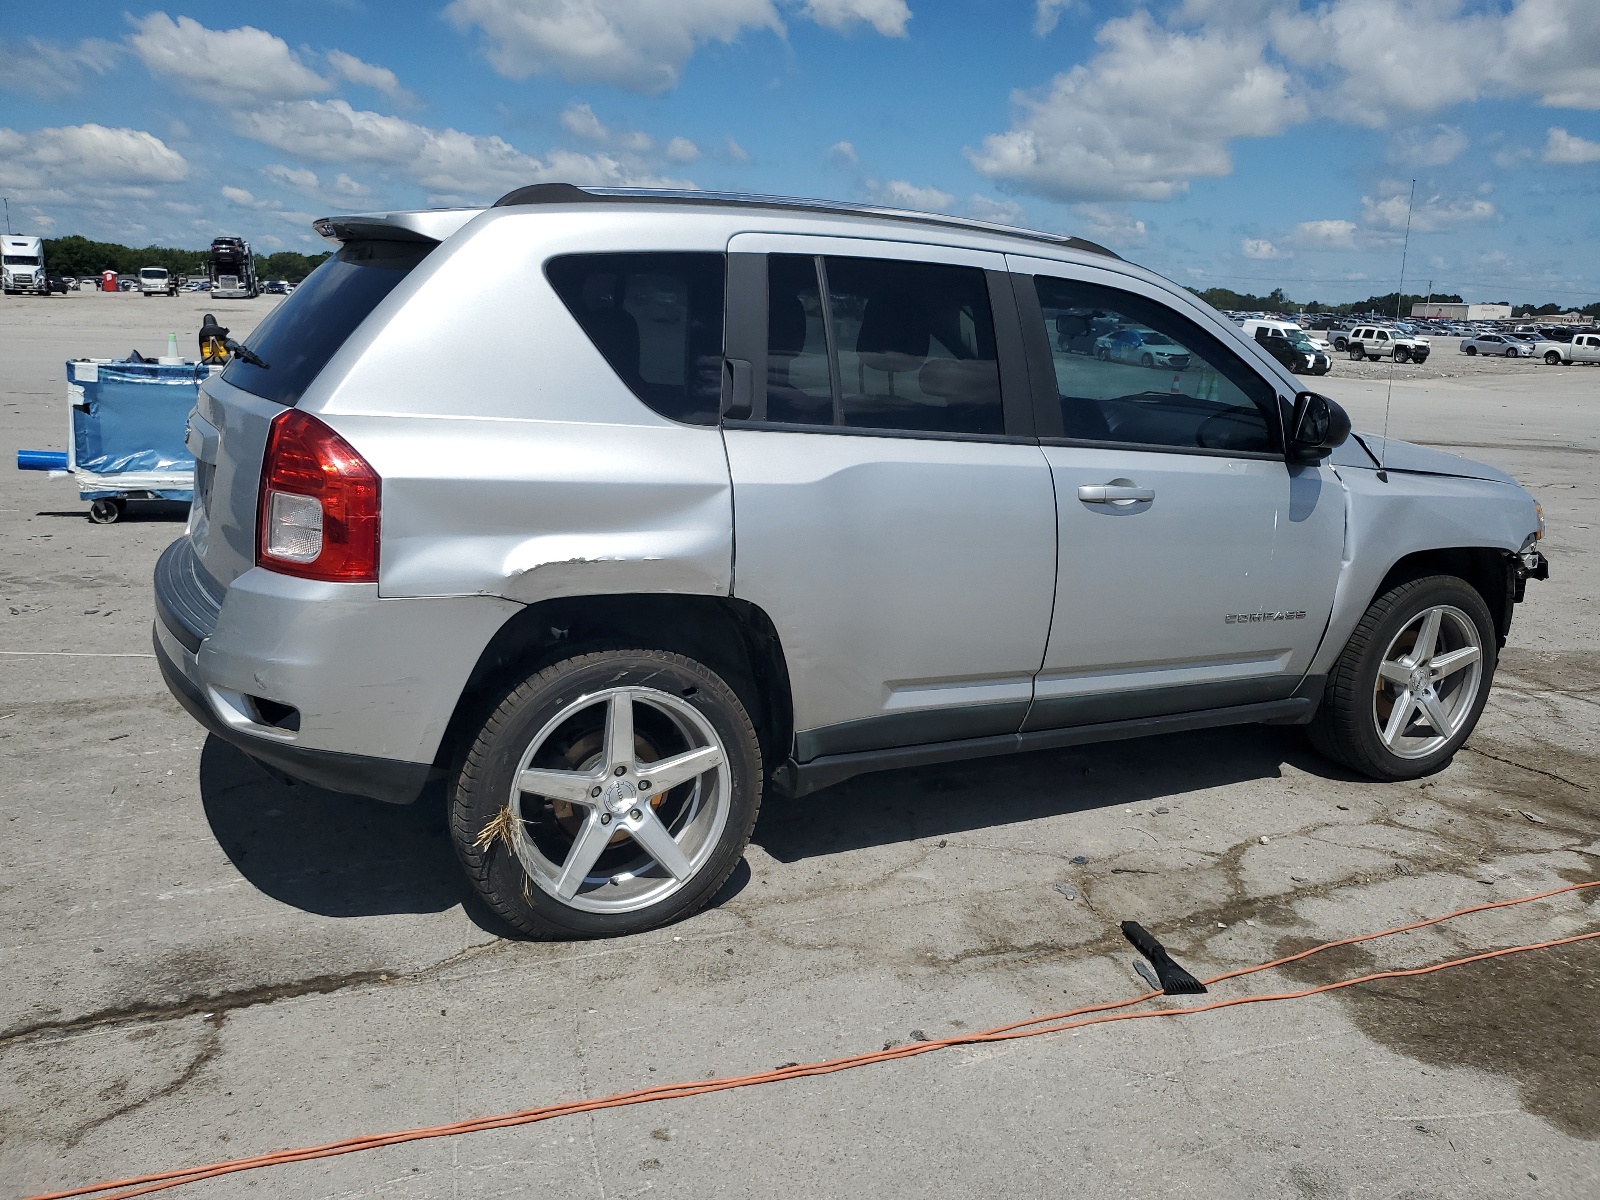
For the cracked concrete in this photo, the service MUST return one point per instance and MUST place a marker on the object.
(203, 962)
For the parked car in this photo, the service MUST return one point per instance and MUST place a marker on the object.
(513, 573)
(1378, 341)
(1584, 348)
(1293, 349)
(1503, 344)
(1144, 347)
(61, 284)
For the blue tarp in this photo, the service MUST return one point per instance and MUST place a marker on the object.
(132, 420)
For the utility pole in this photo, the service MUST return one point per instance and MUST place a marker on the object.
(1428, 303)
(8, 214)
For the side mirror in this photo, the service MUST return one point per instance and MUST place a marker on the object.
(1315, 428)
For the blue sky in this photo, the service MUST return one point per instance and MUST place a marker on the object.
(1246, 143)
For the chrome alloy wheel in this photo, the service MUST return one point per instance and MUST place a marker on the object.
(1428, 682)
(622, 797)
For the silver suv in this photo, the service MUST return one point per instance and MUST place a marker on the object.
(612, 510)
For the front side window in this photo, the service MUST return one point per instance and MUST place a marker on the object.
(657, 320)
(1130, 370)
(881, 344)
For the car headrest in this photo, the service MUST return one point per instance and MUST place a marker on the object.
(893, 335)
(786, 325)
(970, 381)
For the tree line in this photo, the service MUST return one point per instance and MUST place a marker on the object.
(1390, 304)
(78, 256)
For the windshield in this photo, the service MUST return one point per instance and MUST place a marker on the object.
(1300, 341)
(306, 330)
(1157, 339)
(20, 260)
(153, 273)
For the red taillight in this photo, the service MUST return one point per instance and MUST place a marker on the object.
(318, 513)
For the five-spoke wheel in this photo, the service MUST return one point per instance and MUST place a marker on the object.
(608, 793)
(1411, 682)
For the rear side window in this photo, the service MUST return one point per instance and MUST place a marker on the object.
(881, 344)
(306, 330)
(656, 318)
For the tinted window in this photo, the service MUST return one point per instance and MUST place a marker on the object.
(1129, 369)
(799, 385)
(895, 345)
(299, 336)
(657, 320)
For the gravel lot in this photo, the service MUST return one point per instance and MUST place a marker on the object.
(202, 962)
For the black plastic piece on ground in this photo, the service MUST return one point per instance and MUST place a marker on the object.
(1175, 981)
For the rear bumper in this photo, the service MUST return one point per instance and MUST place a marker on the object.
(328, 682)
(380, 778)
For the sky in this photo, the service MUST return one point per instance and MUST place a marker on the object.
(1239, 143)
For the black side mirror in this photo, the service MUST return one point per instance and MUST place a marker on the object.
(1315, 428)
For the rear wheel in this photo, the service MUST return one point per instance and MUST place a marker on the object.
(1412, 681)
(1552, 358)
(1357, 352)
(607, 794)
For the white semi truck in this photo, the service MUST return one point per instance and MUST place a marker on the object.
(22, 264)
(232, 268)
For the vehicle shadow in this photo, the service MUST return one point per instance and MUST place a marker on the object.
(921, 802)
(170, 511)
(323, 852)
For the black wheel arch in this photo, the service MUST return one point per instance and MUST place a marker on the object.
(731, 636)
(1490, 571)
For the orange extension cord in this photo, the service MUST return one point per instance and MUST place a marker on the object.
(143, 1185)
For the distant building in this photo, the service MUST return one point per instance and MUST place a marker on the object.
(1462, 312)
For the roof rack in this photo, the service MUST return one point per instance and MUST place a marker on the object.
(567, 193)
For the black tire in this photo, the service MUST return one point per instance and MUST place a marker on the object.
(1552, 358)
(1357, 352)
(1344, 729)
(107, 510)
(1340, 343)
(483, 783)
(1472, 351)
(1402, 354)
(1146, 360)
(1103, 354)
(1511, 352)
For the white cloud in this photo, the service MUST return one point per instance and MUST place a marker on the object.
(843, 154)
(736, 152)
(85, 161)
(1110, 223)
(641, 45)
(345, 186)
(47, 70)
(579, 120)
(349, 67)
(1428, 146)
(682, 150)
(1261, 248)
(1151, 111)
(1430, 55)
(1429, 216)
(987, 208)
(1047, 15)
(229, 66)
(238, 195)
(888, 17)
(897, 193)
(298, 178)
(1563, 147)
(1326, 235)
(446, 161)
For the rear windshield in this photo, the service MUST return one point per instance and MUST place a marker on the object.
(306, 330)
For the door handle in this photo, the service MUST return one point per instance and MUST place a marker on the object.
(1115, 494)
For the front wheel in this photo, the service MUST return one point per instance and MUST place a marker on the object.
(1401, 354)
(1412, 681)
(607, 794)
(1511, 352)
(1472, 351)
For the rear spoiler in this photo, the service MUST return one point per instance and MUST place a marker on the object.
(423, 225)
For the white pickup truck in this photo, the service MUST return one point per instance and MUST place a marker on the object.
(1583, 348)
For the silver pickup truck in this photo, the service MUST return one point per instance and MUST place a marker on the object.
(613, 511)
